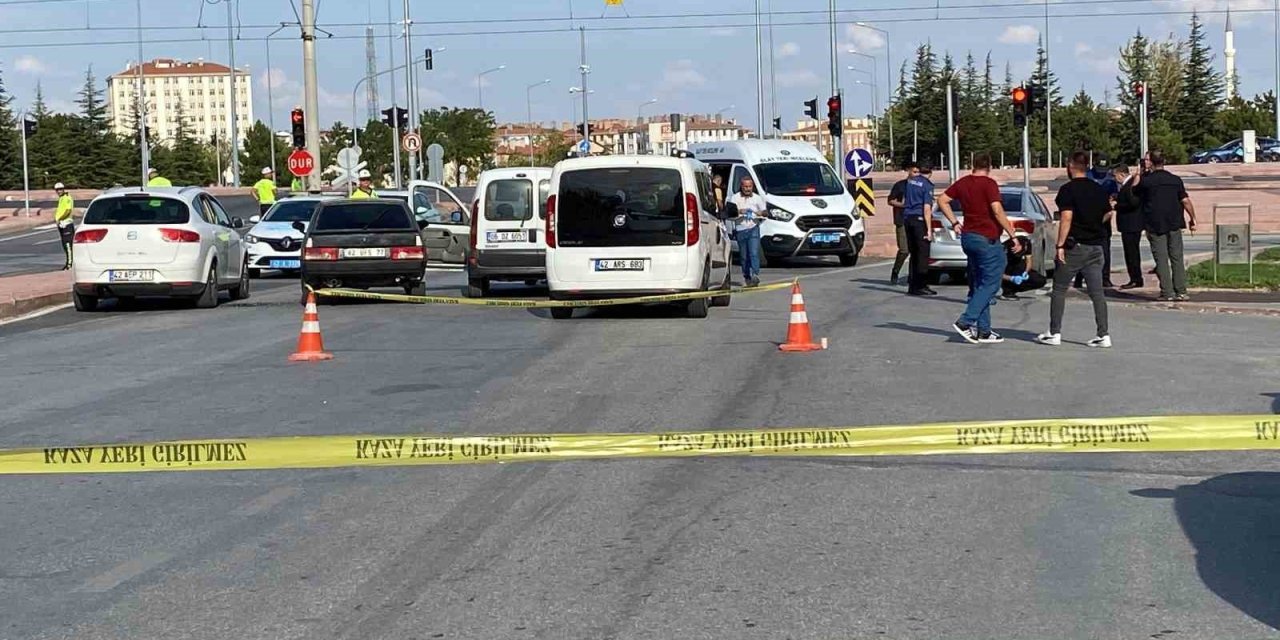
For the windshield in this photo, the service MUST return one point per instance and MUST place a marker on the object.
(137, 210)
(382, 216)
(508, 201)
(291, 211)
(621, 207)
(798, 179)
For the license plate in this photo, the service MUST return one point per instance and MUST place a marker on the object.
(825, 238)
(285, 264)
(628, 264)
(133, 275)
(365, 252)
(507, 236)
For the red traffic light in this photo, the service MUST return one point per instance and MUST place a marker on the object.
(296, 116)
(1139, 88)
(1019, 95)
(833, 103)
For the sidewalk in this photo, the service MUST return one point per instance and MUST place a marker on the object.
(20, 295)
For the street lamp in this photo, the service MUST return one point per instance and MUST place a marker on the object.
(573, 103)
(888, 70)
(642, 132)
(480, 82)
(528, 101)
(640, 110)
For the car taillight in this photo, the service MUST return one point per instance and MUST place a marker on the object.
(179, 235)
(320, 253)
(551, 221)
(1024, 226)
(90, 236)
(407, 253)
(475, 226)
(693, 225)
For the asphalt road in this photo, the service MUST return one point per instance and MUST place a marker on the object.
(1016, 546)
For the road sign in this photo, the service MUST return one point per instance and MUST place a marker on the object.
(348, 166)
(584, 147)
(859, 163)
(435, 162)
(864, 197)
(412, 142)
(301, 163)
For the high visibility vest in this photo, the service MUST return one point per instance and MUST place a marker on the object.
(361, 194)
(266, 189)
(159, 181)
(296, 185)
(66, 206)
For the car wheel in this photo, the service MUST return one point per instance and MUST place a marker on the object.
(849, 259)
(477, 287)
(416, 289)
(772, 261)
(724, 300)
(934, 277)
(561, 313)
(255, 273)
(241, 290)
(700, 307)
(208, 299)
(1214, 160)
(83, 302)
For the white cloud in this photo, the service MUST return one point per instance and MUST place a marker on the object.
(1085, 55)
(289, 93)
(1082, 49)
(864, 39)
(681, 74)
(30, 65)
(788, 49)
(798, 78)
(1019, 34)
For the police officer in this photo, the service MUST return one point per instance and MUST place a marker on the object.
(296, 185)
(264, 190)
(365, 190)
(63, 216)
(157, 180)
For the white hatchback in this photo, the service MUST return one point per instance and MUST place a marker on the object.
(507, 237)
(175, 242)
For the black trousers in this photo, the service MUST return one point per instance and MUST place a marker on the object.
(1106, 265)
(1133, 255)
(68, 234)
(918, 248)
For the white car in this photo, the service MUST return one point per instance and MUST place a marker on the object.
(273, 242)
(1030, 219)
(175, 242)
(507, 237)
(628, 226)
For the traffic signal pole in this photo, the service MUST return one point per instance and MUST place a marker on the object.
(311, 89)
(1026, 159)
(26, 168)
(1142, 121)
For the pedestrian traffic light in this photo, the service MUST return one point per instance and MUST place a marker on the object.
(777, 124)
(835, 116)
(429, 63)
(1020, 102)
(299, 128)
(29, 127)
(811, 108)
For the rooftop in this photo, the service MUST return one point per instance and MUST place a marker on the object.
(173, 67)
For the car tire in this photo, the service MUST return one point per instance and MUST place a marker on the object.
(700, 307)
(561, 313)
(477, 287)
(1213, 160)
(849, 259)
(933, 277)
(724, 300)
(241, 290)
(772, 262)
(83, 302)
(208, 299)
(416, 289)
(255, 273)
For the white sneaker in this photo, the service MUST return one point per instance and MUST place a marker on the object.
(1051, 339)
(1102, 342)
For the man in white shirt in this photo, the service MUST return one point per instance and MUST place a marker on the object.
(752, 210)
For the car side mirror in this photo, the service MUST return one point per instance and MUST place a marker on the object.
(298, 225)
(237, 223)
(422, 211)
(730, 211)
(423, 224)
(255, 219)
(456, 217)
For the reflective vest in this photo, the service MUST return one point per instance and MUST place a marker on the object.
(159, 181)
(361, 194)
(296, 185)
(66, 206)
(266, 189)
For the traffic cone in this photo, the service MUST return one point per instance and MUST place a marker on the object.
(799, 337)
(310, 344)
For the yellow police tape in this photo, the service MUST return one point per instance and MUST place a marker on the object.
(545, 304)
(1098, 435)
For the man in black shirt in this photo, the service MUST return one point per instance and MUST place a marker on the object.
(1019, 275)
(1164, 199)
(1129, 223)
(897, 199)
(1082, 238)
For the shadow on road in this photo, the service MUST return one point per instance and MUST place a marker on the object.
(1275, 401)
(1233, 521)
(947, 332)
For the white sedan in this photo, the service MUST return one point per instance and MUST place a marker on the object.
(273, 242)
(175, 242)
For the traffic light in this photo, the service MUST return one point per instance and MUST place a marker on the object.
(582, 129)
(835, 116)
(1021, 104)
(299, 128)
(811, 108)
(395, 117)
(29, 127)
(1138, 89)
(429, 63)
(777, 124)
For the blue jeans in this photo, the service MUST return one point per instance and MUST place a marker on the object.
(749, 251)
(987, 261)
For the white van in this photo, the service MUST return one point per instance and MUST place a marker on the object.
(620, 226)
(507, 236)
(811, 213)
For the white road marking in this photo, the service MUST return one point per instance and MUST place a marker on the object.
(39, 231)
(58, 239)
(265, 502)
(124, 572)
(36, 314)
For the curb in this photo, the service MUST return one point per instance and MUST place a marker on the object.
(16, 308)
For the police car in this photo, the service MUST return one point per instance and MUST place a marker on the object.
(273, 243)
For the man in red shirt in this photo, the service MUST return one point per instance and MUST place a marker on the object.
(984, 219)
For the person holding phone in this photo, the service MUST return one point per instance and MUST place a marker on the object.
(752, 210)
(1166, 211)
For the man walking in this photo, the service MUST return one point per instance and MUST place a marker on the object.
(64, 217)
(751, 209)
(897, 200)
(1082, 243)
(984, 219)
(1164, 200)
(917, 215)
(1129, 223)
(264, 190)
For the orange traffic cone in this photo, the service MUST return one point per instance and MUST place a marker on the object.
(310, 344)
(799, 337)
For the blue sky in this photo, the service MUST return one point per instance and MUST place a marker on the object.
(704, 65)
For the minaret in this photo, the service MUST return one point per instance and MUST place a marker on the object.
(1230, 52)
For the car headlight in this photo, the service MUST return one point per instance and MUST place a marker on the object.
(856, 213)
(251, 239)
(781, 215)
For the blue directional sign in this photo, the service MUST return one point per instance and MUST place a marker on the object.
(859, 163)
(584, 147)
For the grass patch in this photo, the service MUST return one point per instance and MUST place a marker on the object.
(1266, 273)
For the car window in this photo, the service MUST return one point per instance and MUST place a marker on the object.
(798, 179)
(432, 204)
(138, 210)
(362, 216)
(739, 172)
(292, 211)
(205, 211)
(621, 207)
(706, 193)
(508, 200)
(544, 190)
(1012, 202)
(219, 213)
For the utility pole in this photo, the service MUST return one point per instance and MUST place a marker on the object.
(585, 70)
(1142, 121)
(1026, 158)
(837, 141)
(231, 92)
(411, 125)
(271, 108)
(760, 124)
(311, 89)
(915, 139)
(1048, 92)
(773, 78)
(395, 113)
(953, 162)
(26, 167)
(142, 108)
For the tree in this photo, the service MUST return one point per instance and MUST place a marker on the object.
(376, 150)
(1202, 87)
(1047, 93)
(103, 158)
(255, 155)
(551, 147)
(1168, 65)
(1241, 115)
(184, 159)
(1135, 68)
(465, 134)
(1163, 137)
(924, 107)
(10, 143)
(979, 132)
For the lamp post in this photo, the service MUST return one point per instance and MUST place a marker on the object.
(888, 69)
(480, 82)
(573, 91)
(528, 103)
(642, 138)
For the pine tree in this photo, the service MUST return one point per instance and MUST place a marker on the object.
(255, 154)
(184, 160)
(38, 107)
(1135, 68)
(1168, 66)
(923, 107)
(1202, 87)
(95, 135)
(10, 143)
(1046, 94)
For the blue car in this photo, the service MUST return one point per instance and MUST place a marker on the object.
(1268, 149)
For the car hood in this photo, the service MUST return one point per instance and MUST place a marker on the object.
(274, 229)
(808, 205)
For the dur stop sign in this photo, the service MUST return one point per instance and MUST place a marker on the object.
(301, 163)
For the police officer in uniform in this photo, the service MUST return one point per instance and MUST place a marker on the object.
(157, 180)
(64, 217)
(365, 190)
(264, 190)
